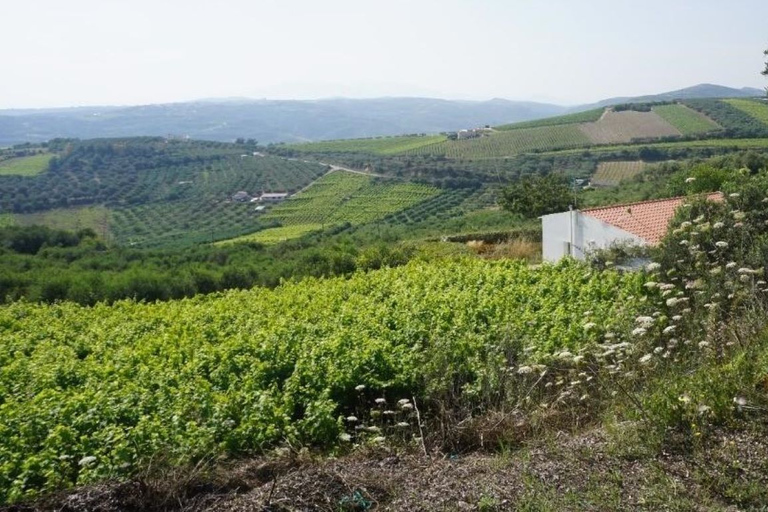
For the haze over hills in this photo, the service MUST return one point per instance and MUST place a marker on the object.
(295, 121)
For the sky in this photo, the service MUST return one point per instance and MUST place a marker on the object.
(127, 52)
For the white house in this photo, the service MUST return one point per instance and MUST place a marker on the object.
(577, 232)
(273, 196)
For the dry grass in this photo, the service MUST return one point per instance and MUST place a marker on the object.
(610, 174)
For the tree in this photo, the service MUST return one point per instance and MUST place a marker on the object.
(765, 71)
(537, 195)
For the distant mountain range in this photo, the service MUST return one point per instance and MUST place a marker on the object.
(293, 121)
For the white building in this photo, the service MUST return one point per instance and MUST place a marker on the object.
(274, 196)
(577, 232)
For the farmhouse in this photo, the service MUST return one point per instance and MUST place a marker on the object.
(274, 196)
(575, 233)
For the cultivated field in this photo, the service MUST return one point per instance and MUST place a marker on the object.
(337, 198)
(625, 126)
(26, 165)
(610, 174)
(509, 142)
(96, 218)
(579, 117)
(378, 146)
(706, 143)
(686, 120)
(754, 108)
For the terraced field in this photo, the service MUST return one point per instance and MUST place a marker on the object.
(337, 198)
(509, 142)
(626, 126)
(26, 165)
(587, 116)
(610, 174)
(377, 146)
(757, 143)
(686, 120)
(754, 108)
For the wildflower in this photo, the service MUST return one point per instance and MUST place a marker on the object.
(651, 267)
(403, 401)
(684, 242)
(638, 331)
(87, 461)
(407, 407)
(715, 271)
(578, 359)
(351, 419)
(389, 413)
(735, 194)
(745, 270)
(587, 313)
(690, 179)
(684, 398)
(402, 424)
(589, 326)
(677, 318)
(666, 286)
(703, 409)
(373, 429)
(669, 329)
(379, 439)
(718, 225)
(738, 225)
(360, 387)
(345, 437)
(645, 321)
(651, 284)
(523, 370)
(744, 278)
(738, 215)
(703, 344)
(698, 219)
(565, 355)
(740, 401)
(658, 350)
(730, 265)
(685, 225)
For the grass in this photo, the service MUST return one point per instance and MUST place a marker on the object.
(755, 109)
(685, 119)
(579, 117)
(7, 219)
(274, 235)
(509, 142)
(26, 165)
(378, 146)
(97, 218)
(610, 174)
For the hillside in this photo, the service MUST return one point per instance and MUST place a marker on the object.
(267, 121)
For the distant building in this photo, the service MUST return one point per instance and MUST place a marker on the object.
(576, 233)
(471, 134)
(241, 197)
(273, 196)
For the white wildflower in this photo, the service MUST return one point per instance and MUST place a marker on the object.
(639, 331)
(402, 424)
(523, 370)
(589, 326)
(721, 244)
(738, 224)
(658, 350)
(668, 329)
(381, 401)
(684, 398)
(738, 215)
(703, 344)
(407, 407)
(87, 461)
(645, 321)
(403, 401)
(718, 225)
(730, 265)
(690, 179)
(360, 387)
(651, 267)
(651, 284)
(735, 194)
(345, 437)
(379, 439)
(646, 358)
(351, 419)
(745, 270)
(677, 318)
(715, 271)
(698, 219)
(373, 429)
(740, 401)
(685, 225)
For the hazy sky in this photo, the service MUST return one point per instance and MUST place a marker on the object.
(98, 52)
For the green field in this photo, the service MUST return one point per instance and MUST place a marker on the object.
(754, 108)
(507, 143)
(610, 174)
(26, 165)
(96, 218)
(588, 116)
(707, 143)
(378, 146)
(271, 236)
(96, 393)
(687, 120)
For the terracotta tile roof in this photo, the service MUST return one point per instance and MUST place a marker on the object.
(648, 220)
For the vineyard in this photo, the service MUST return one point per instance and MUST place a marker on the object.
(686, 120)
(617, 127)
(611, 174)
(509, 142)
(339, 198)
(97, 393)
(755, 109)
(378, 146)
(588, 116)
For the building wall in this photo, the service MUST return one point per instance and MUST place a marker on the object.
(577, 234)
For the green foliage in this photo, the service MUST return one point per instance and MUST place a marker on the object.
(688, 121)
(537, 195)
(96, 393)
(612, 173)
(588, 116)
(735, 122)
